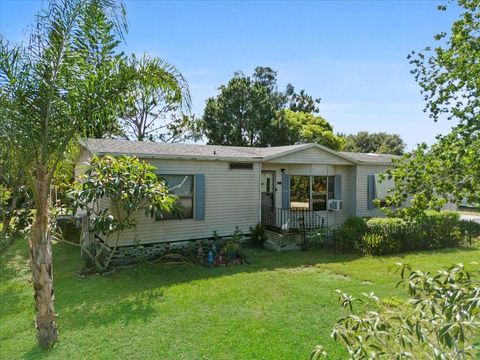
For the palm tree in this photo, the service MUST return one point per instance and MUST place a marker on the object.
(154, 103)
(45, 104)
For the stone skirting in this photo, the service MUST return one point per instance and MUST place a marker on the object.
(278, 241)
(125, 255)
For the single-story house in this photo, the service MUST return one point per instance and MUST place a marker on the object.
(222, 187)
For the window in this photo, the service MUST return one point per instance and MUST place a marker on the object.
(241, 166)
(319, 193)
(382, 187)
(182, 187)
(300, 192)
(311, 192)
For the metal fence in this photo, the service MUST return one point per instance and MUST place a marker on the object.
(417, 236)
(291, 219)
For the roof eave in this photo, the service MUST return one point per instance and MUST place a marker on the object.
(178, 157)
(308, 146)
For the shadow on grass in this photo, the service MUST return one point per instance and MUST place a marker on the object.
(134, 293)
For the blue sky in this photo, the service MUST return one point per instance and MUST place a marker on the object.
(352, 54)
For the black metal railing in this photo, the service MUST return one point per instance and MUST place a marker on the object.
(290, 219)
(413, 237)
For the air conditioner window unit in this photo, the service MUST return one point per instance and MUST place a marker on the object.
(334, 205)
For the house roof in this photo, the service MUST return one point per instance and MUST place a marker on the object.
(145, 149)
(371, 158)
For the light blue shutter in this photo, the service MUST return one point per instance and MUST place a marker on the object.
(337, 187)
(199, 196)
(285, 191)
(370, 191)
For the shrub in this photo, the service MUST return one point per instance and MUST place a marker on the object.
(349, 235)
(385, 225)
(441, 320)
(257, 235)
(435, 230)
(394, 231)
(439, 230)
(377, 244)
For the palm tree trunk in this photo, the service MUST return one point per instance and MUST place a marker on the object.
(41, 263)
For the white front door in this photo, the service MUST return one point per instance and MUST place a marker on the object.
(267, 187)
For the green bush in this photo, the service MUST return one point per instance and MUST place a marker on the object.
(377, 244)
(440, 229)
(435, 230)
(348, 236)
(258, 235)
(384, 225)
(440, 320)
(393, 231)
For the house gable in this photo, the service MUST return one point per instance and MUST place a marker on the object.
(311, 154)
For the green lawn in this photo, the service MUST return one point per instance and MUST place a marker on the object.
(279, 307)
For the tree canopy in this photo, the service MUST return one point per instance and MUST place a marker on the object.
(302, 127)
(156, 95)
(378, 143)
(252, 111)
(448, 75)
(130, 185)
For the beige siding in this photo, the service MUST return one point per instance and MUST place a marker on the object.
(82, 159)
(311, 156)
(231, 198)
(348, 186)
(361, 189)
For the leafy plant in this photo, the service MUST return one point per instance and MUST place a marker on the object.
(348, 236)
(232, 247)
(440, 320)
(154, 101)
(447, 73)
(258, 235)
(130, 185)
(377, 244)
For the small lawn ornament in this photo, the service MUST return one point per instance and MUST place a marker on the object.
(214, 250)
(221, 259)
(210, 258)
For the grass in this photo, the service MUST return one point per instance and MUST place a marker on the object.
(279, 307)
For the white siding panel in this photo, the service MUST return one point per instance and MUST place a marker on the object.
(82, 159)
(311, 156)
(361, 189)
(231, 198)
(348, 186)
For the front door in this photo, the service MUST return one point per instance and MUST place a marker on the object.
(267, 187)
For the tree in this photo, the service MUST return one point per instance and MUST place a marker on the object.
(301, 101)
(107, 64)
(308, 128)
(448, 76)
(157, 94)
(13, 192)
(130, 186)
(42, 111)
(377, 143)
(440, 320)
(249, 111)
(243, 114)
